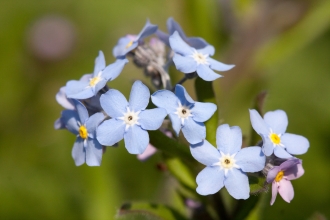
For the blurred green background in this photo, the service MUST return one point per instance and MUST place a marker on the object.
(282, 46)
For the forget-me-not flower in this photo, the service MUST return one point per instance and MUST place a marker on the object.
(86, 148)
(188, 59)
(185, 113)
(130, 42)
(172, 26)
(84, 89)
(280, 177)
(227, 164)
(272, 130)
(129, 120)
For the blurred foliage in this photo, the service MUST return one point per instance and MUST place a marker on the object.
(281, 46)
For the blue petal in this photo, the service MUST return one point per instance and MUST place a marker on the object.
(94, 153)
(179, 46)
(205, 153)
(210, 180)
(99, 86)
(70, 119)
(113, 70)
(193, 131)
(114, 103)
(295, 144)
(136, 140)
(277, 121)
(237, 184)
(78, 152)
(271, 175)
(139, 97)
(185, 64)
(173, 26)
(82, 111)
(229, 139)
(63, 100)
(196, 42)
(258, 123)
(203, 111)
(94, 121)
(163, 37)
(121, 48)
(147, 30)
(110, 132)
(206, 73)
(165, 99)
(268, 146)
(78, 89)
(99, 63)
(183, 96)
(209, 49)
(152, 119)
(281, 152)
(58, 124)
(176, 123)
(250, 159)
(216, 65)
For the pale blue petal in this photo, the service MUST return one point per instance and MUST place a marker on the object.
(237, 184)
(271, 175)
(93, 122)
(113, 70)
(82, 111)
(196, 42)
(277, 121)
(206, 73)
(139, 97)
(295, 144)
(99, 86)
(205, 153)
(99, 63)
(110, 132)
(203, 111)
(165, 99)
(147, 30)
(78, 90)
(70, 119)
(163, 37)
(250, 159)
(114, 103)
(173, 26)
(136, 140)
(229, 139)
(193, 131)
(179, 46)
(94, 153)
(210, 180)
(121, 48)
(184, 64)
(58, 124)
(268, 146)
(216, 65)
(183, 96)
(281, 152)
(258, 123)
(63, 100)
(152, 119)
(209, 49)
(78, 152)
(176, 123)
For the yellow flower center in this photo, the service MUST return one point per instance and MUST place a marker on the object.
(279, 176)
(227, 162)
(93, 81)
(129, 44)
(275, 138)
(83, 132)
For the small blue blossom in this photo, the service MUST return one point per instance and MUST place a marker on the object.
(86, 148)
(88, 87)
(226, 165)
(185, 113)
(188, 59)
(130, 42)
(129, 120)
(272, 130)
(172, 26)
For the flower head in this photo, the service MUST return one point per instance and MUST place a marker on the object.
(188, 59)
(185, 113)
(88, 87)
(129, 120)
(86, 148)
(280, 177)
(130, 42)
(272, 130)
(227, 164)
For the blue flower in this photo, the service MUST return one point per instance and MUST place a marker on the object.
(129, 120)
(86, 88)
(172, 26)
(226, 165)
(130, 42)
(188, 59)
(272, 130)
(185, 113)
(86, 148)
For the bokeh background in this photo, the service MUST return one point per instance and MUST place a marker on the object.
(282, 46)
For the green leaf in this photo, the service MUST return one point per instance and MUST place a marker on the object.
(137, 215)
(257, 183)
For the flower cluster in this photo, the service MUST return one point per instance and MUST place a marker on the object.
(101, 116)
